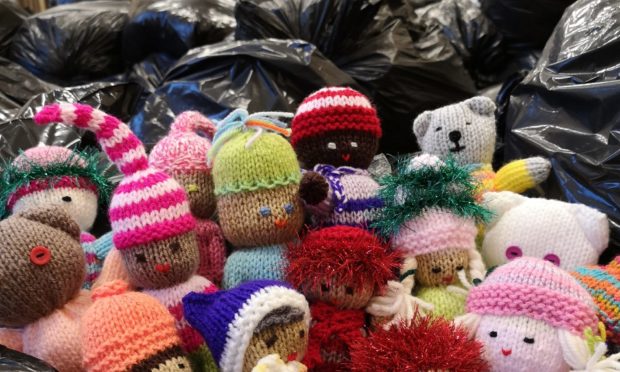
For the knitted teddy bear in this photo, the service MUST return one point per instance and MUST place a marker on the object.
(335, 133)
(42, 271)
(51, 175)
(129, 331)
(152, 225)
(533, 316)
(569, 235)
(183, 155)
(338, 269)
(256, 177)
(603, 284)
(249, 322)
(466, 130)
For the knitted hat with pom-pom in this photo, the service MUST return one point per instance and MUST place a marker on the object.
(129, 331)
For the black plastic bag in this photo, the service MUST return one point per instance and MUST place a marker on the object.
(73, 43)
(11, 17)
(14, 361)
(262, 75)
(567, 109)
(175, 26)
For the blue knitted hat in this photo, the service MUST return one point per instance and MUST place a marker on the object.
(227, 319)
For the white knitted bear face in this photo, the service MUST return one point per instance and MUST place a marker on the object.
(465, 130)
(81, 204)
(520, 344)
(569, 235)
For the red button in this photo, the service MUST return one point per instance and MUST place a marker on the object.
(40, 255)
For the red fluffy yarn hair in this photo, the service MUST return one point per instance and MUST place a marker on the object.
(341, 255)
(428, 344)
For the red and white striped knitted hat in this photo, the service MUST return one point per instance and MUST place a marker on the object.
(147, 205)
(331, 109)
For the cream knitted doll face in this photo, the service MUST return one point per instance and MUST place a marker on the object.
(441, 267)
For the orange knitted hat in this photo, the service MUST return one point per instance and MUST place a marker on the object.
(123, 330)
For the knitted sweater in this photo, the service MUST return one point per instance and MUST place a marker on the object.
(212, 250)
(266, 262)
(447, 304)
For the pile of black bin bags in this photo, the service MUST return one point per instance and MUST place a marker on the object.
(556, 81)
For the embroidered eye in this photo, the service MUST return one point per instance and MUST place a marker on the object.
(528, 340)
(265, 211)
(354, 145)
(289, 208)
(174, 247)
(348, 290)
(140, 257)
(459, 268)
(271, 341)
(302, 333)
(436, 270)
(468, 123)
(66, 199)
(513, 252)
(438, 129)
(493, 334)
(192, 188)
(324, 288)
(181, 365)
(553, 258)
(331, 145)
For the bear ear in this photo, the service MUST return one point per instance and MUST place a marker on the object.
(594, 225)
(501, 202)
(54, 217)
(481, 105)
(421, 123)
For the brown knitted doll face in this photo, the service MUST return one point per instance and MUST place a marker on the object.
(199, 189)
(42, 266)
(440, 268)
(170, 360)
(164, 263)
(342, 295)
(278, 333)
(338, 148)
(261, 217)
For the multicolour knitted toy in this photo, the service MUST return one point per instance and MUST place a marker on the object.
(338, 268)
(569, 235)
(603, 284)
(335, 133)
(256, 177)
(183, 155)
(244, 324)
(129, 331)
(431, 216)
(152, 225)
(466, 130)
(42, 271)
(533, 316)
(51, 175)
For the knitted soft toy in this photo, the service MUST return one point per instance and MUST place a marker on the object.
(51, 175)
(42, 271)
(335, 133)
(533, 316)
(603, 284)
(339, 269)
(569, 235)
(129, 331)
(244, 324)
(466, 130)
(152, 225)
(256, 177)
(430, 213)
(183, 155)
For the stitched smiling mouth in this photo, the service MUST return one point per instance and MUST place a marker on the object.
(457, 148)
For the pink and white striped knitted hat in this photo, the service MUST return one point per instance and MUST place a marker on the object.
(183, 149)
(536, 289)
(147, 205)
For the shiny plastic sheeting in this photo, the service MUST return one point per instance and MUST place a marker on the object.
(73, 43)
(567, 109)
(14, 361)
(175, 26)
(11, 17)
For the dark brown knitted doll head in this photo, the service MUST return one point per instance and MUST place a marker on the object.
(338, 148)
(199, 189)
(441, 267)
(42, 266)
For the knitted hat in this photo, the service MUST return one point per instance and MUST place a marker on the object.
(147, 206)
(228, 319)
(332, 109)
(125, 331)
(536, 289)
(603, 284)
(39, 171)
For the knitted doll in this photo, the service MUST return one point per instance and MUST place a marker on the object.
(427, 344)
(466, 130)
(256, 178)
(533, 316)
(430, 214)
(152, 225)
(244, 324)
(42, 271)
(129, 331)
(339, 269)
(183, 155)
(603, 284)
(569, 235)
(335, 133)
(51, 175)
